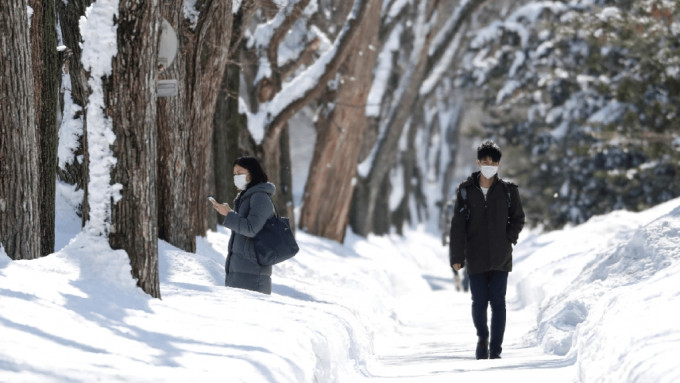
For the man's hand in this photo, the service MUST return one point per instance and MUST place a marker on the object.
(456, 266)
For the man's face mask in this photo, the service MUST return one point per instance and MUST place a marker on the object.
(489, 171)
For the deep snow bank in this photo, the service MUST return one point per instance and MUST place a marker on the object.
(605, 292)
(77, 315)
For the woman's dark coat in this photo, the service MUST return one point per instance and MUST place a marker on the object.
(483, 241)
(252, 208)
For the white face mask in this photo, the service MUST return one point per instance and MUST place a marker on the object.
(240, 181)
(489, 171)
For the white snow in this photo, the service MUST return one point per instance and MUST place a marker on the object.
(71, 127)
(382, 72)
(297, 87)
(98, 31)
(99, 35)
(30, 11)
(235, 6)
(594, 302)
(440, 38)
(395, 8)
(609, 13)
(421, 29)
(442, 66)
(609, 113)
(191, 13)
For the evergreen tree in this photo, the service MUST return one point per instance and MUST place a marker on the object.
(590, 95)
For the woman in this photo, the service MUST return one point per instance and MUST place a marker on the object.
(252, 207)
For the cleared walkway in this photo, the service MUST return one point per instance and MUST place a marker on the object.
(436, 342)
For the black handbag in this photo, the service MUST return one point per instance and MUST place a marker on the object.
(275, 243)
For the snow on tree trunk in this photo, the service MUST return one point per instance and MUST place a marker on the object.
(19, 146)
(328, 193)
(71, 169)
(131, 100)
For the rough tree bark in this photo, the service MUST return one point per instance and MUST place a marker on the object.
(46, 83)
(231, 138)
(175, 218)
(336, 153)
(186, 122)
(19, 147)
(132, 107)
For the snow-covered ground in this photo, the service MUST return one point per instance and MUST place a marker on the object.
(592, 303)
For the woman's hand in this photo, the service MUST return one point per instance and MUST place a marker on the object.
(222, 208)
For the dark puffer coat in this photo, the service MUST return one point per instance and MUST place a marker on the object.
(483, 242)
(252, 208)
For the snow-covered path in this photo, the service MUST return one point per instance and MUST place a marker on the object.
(437, 342)
(377, 309)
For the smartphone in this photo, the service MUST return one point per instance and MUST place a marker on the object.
(212, 199)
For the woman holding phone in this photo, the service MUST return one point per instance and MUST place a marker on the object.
(252, 207)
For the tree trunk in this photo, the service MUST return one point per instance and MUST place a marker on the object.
(231, 137)
(336, 154)
(19, 146)
(228, 125)
(286, 205)
(46, 82)
(387, 149)
(175, 216)
(275, 155)
(132, 104)
(186, 122)
(69, 14)
(205, 69)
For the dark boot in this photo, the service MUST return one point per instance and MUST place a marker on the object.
(482, 349)
(495, 355)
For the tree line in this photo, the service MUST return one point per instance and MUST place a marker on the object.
(236, 95)
(583, 99)
(587, 97)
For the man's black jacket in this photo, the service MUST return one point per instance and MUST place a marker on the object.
(482, 240)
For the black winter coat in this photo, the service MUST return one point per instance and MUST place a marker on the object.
(483, 242)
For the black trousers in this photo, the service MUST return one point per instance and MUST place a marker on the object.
(485, 288)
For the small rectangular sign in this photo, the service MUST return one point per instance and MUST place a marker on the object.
(167, 88)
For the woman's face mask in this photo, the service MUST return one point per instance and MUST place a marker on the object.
(240, 181)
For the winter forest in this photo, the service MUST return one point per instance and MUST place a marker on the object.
(365, 114)
(582, 95)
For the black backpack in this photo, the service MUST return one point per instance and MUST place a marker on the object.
(463, 195)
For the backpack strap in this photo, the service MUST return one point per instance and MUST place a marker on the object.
(464, 208)
(506, 187)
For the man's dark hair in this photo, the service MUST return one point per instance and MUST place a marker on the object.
(257, 175)
(489, 149)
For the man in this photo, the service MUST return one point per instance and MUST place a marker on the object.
(487, 220)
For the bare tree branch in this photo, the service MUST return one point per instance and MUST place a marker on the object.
(282, 30)
(330, 63)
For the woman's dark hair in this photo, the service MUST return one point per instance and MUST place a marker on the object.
(489, 149)
(257, 175)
